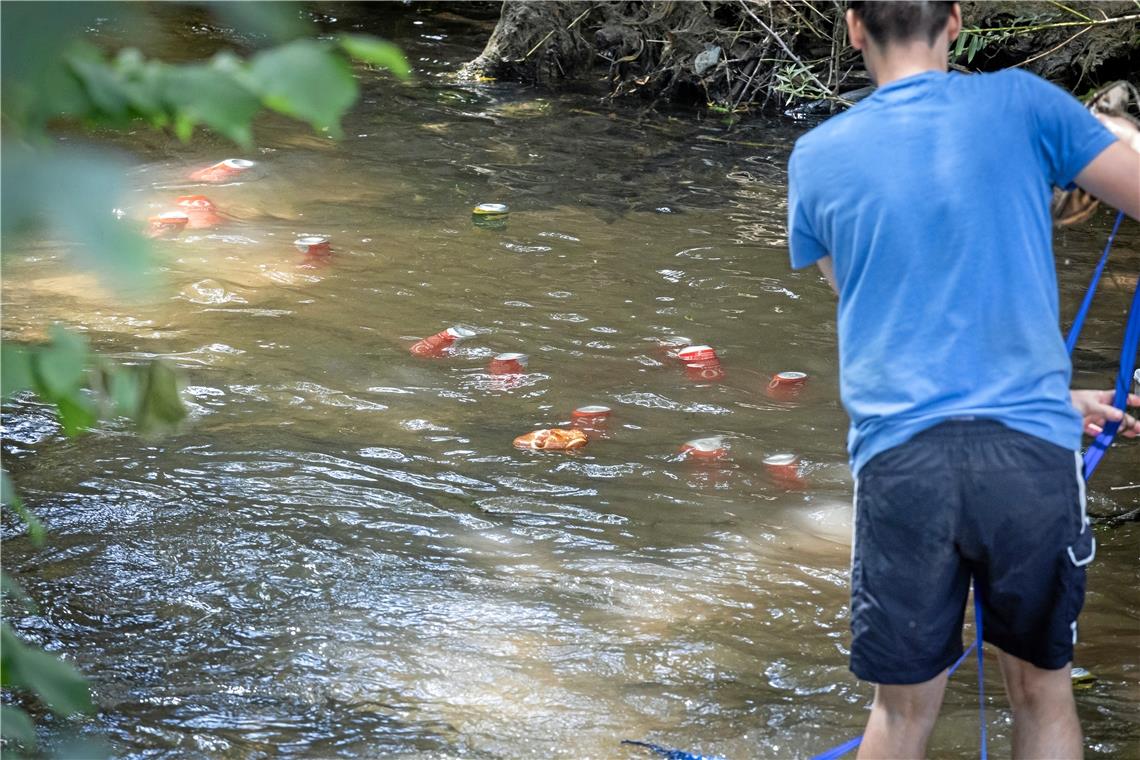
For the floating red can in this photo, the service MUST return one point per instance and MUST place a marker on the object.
(313, 245)
(697, 354)
(167, 224)
(786, 385)
(701, 364)
(200, 210)
(705, 372)
(508, 364)
(593, 417)
(705, 449)
(435, 345)
(784, 468)
(223, 171)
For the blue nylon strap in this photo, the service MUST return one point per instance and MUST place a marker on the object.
(667, 752)
(1123, 379)
(981, 667)
(1079, 320)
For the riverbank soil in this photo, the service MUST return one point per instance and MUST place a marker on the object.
(754, 55)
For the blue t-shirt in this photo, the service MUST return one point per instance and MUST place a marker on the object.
(932, 198)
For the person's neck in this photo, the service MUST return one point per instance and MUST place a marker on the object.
(899, 62)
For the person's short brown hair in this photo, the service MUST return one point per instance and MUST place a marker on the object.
(889, 22)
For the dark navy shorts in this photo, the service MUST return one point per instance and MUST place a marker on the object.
(962, 500)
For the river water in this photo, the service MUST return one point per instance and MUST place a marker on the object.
(341, 553)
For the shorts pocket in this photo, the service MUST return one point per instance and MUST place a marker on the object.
(1083, 549)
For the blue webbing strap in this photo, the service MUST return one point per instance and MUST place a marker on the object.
(1128, 351)
(981, 667)
(1079, 320)
(666, 752)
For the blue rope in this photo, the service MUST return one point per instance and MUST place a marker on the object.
(667, 753)
(981, 666)
(1079, 320)
(1128, 350)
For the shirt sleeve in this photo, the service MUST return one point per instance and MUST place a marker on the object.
(803, 244)
(1069, 137)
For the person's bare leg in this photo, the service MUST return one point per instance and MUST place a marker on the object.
(1044, 713)
(902, 718)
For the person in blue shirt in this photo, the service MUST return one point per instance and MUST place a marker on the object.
(926, 206)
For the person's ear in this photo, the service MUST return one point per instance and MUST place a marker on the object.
(856, 31)
(954, 23)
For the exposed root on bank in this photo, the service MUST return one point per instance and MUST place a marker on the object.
(736, 55)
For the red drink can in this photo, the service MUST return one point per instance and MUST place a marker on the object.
(591, 418)
(784, 468)
(786, 385)
(200, 210)
(591, 415)
(313, 245)
(222, 171)
(701, 364)
(705, 449)
(705, 372)
(508, 364)
(697, 354)
(436, 344)
(168, 224)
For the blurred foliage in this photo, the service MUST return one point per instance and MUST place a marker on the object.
(52, 76)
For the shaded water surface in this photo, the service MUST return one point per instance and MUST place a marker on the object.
(342, 554)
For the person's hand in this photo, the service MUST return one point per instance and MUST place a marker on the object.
(1096, 409)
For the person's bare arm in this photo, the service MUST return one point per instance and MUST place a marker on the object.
(1114, 177)
(828, 268)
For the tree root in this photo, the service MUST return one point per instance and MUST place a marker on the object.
(735, 55)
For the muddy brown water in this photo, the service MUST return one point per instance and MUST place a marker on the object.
(342, 555)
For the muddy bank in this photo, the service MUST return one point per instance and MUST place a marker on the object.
(749, 55)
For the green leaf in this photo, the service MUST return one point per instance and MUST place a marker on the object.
(210, 95)
(57, 683)
(183, 127)
(16, 726)
(75, 414)
(15, 370)
(100, 83)
(60, 367)
(961, 45)
(74, 192)
(306, 80)
(975, 45)
(161, 405)
(9, 496)
(377, 52)
(124, 389)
